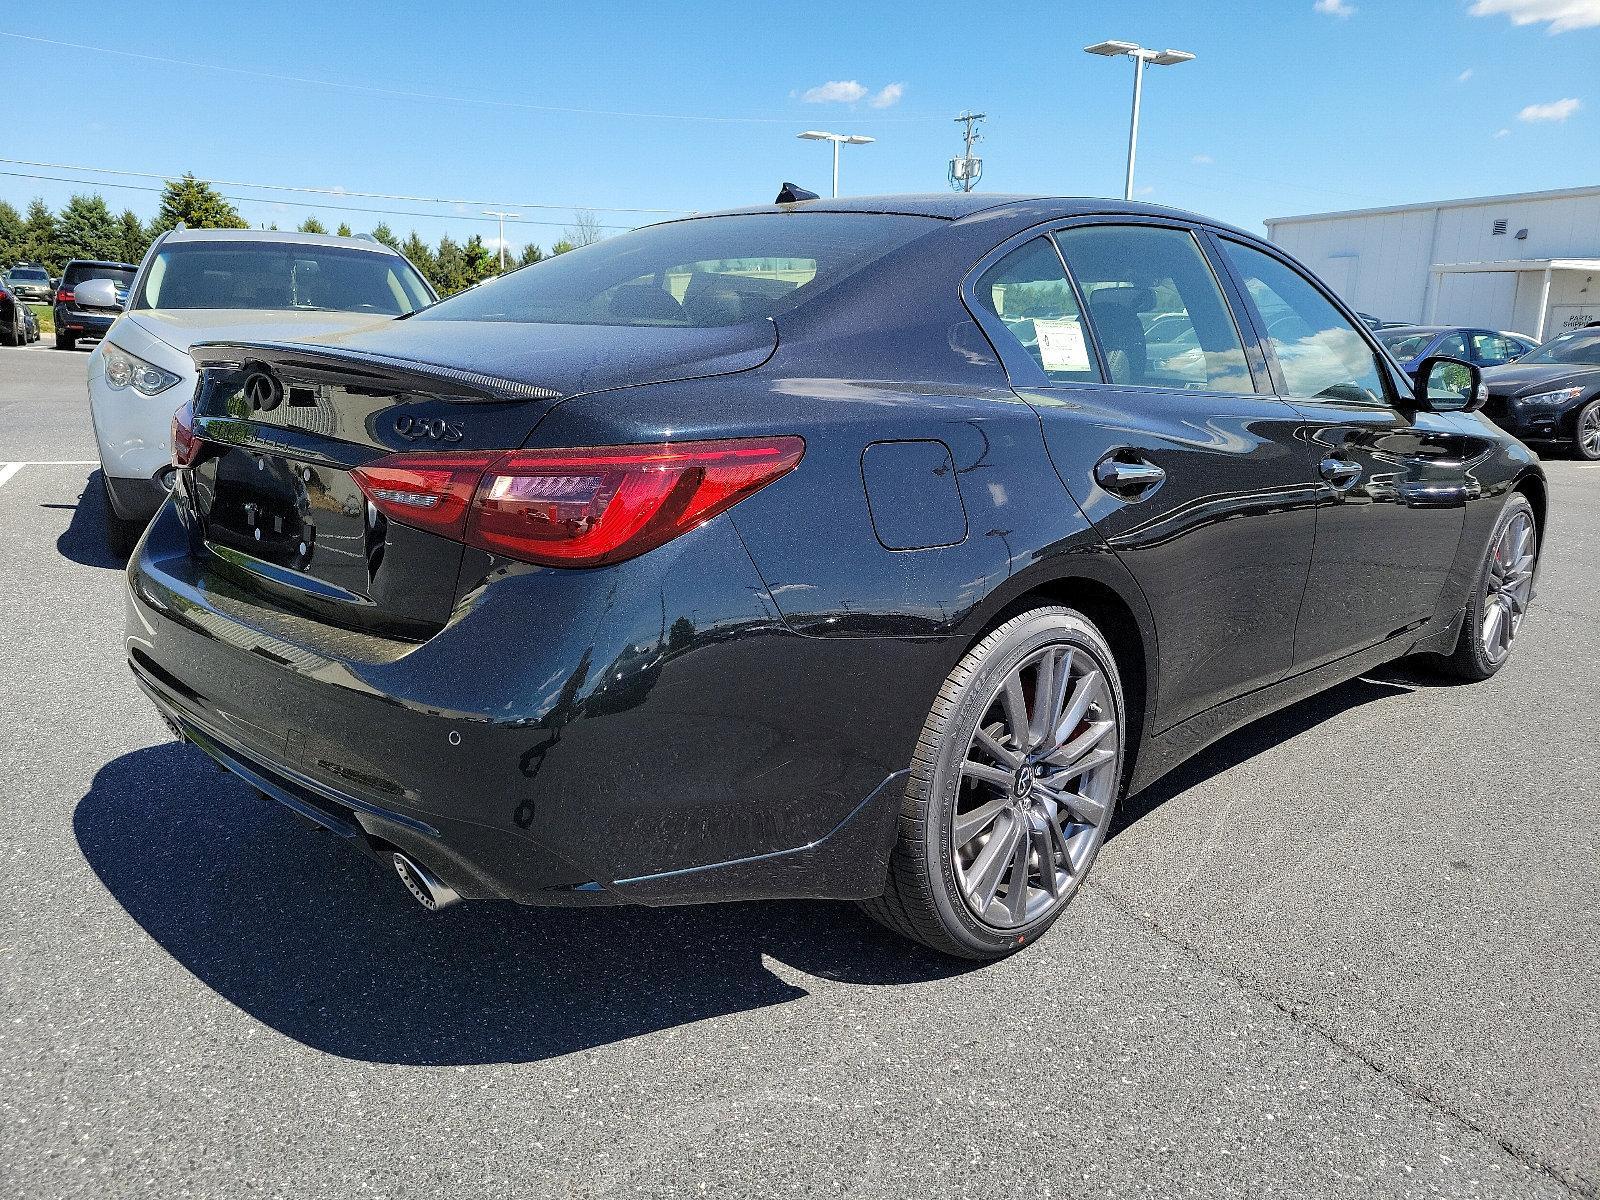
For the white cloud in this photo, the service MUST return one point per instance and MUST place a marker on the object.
(1562, 16)
(835, 91)
(1556, 110)
(1464, 76)
(1145, 191)
(889, 94)
(1334, 8)
(1202, 160)
(1500, 133)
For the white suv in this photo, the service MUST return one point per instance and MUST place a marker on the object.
(199, 285)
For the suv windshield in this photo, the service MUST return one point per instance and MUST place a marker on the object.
(1581, 346)
(28, 275)
(280, 275)
(697, 273)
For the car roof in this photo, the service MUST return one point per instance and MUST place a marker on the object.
(953, 206)
(100, 262)
(278, 237)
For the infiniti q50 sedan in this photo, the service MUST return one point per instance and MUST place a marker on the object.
(868, 549)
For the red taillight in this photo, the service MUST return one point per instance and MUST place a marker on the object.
(63, 297)
(185, 445)
(575, 508)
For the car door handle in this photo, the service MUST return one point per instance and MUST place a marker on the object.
(1130, 478)
(1340, 472)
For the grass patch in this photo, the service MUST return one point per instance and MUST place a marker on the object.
(47, 319)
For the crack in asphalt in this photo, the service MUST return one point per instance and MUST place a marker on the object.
(1573, 1182)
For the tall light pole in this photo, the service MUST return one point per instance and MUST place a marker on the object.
(838, 139)
(1140, 55)
(504, 217)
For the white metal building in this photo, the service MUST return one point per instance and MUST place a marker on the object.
(1528, 262)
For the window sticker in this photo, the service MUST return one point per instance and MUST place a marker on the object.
(1061, 344)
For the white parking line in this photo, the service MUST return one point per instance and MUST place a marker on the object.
(7, 470)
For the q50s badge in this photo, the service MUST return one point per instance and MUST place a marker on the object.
(434, 429)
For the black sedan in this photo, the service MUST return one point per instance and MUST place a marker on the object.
(1552, 394)
(870, 549)
(17, 323)
(1412, 345)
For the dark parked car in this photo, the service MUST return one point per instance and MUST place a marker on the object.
(864, 548)
(32, 283)
(14, 319)
(1412, 345)
(74, 318)
(1552, 394)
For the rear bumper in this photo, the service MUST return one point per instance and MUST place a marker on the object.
(667, 740)
(88, 324)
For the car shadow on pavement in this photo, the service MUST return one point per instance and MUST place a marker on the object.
(325, 946)
(84, 539)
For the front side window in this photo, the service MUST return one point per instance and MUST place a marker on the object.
(1156, 308)
(1029, 293)
(280, 276)
(698, 273)
(1321, 354)
(1493, 349)
(1406, 345)
(1454, 346)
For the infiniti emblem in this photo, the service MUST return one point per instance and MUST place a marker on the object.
(262, 391)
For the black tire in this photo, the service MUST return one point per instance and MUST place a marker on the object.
(1587, 416)
(122, 535)
(922, 900)
(1470, 660)
(18, 336)
(66, 341)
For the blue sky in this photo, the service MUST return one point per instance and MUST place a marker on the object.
(1291, 106)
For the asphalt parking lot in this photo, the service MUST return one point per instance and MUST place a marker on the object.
(1350, 951)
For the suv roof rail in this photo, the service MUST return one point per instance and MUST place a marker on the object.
(365, 237)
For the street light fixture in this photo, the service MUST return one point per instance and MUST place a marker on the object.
(504, 217)
(838, 139)
(1140, 55)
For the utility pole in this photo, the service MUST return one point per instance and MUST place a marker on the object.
(967, 170)
(504, 217)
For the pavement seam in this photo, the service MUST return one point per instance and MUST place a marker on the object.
(1573, 1182)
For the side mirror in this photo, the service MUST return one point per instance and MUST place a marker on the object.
(1450, 385)
(96, 293)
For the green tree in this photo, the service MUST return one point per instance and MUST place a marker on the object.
(39, 238)
(530, 255)
(562, 247)
(12, 233)
(478, 262)
(133, 238)
(421, 256)
(86, 229)
(344, 230)
(312, 225)
(197, 204)
(386, 235)
(449, 267)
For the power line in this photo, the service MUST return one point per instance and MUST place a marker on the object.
(377, 212)
(380, 91)
(280, 187)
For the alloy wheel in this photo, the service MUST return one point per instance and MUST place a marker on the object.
(1510, 585)
(1037, 787)
(1589, 431)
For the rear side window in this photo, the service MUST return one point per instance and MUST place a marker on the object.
(1320, 352)
(1156, 308)
(1029, 293)
(698, 273)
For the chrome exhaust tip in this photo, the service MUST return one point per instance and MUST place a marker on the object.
(425, 887)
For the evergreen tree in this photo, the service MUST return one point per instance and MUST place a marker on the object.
(86, 229)
(133, 239)
(386, 235)
(312, 225)
(39, 238)
(530, 255)
(421, 256)
(478, 262)
(344, 230)
(449, 267)
(11, 234)
(197, 205)
(562, 247)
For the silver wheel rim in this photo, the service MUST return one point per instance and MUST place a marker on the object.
(1589, 431)
(1036, 788)
(1510, 586)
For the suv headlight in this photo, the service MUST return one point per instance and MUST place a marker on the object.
(124, 370)
(1550, 399)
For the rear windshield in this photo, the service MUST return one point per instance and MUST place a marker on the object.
(698, 273)
(123, 275)
(280, 275)
(28, 275)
